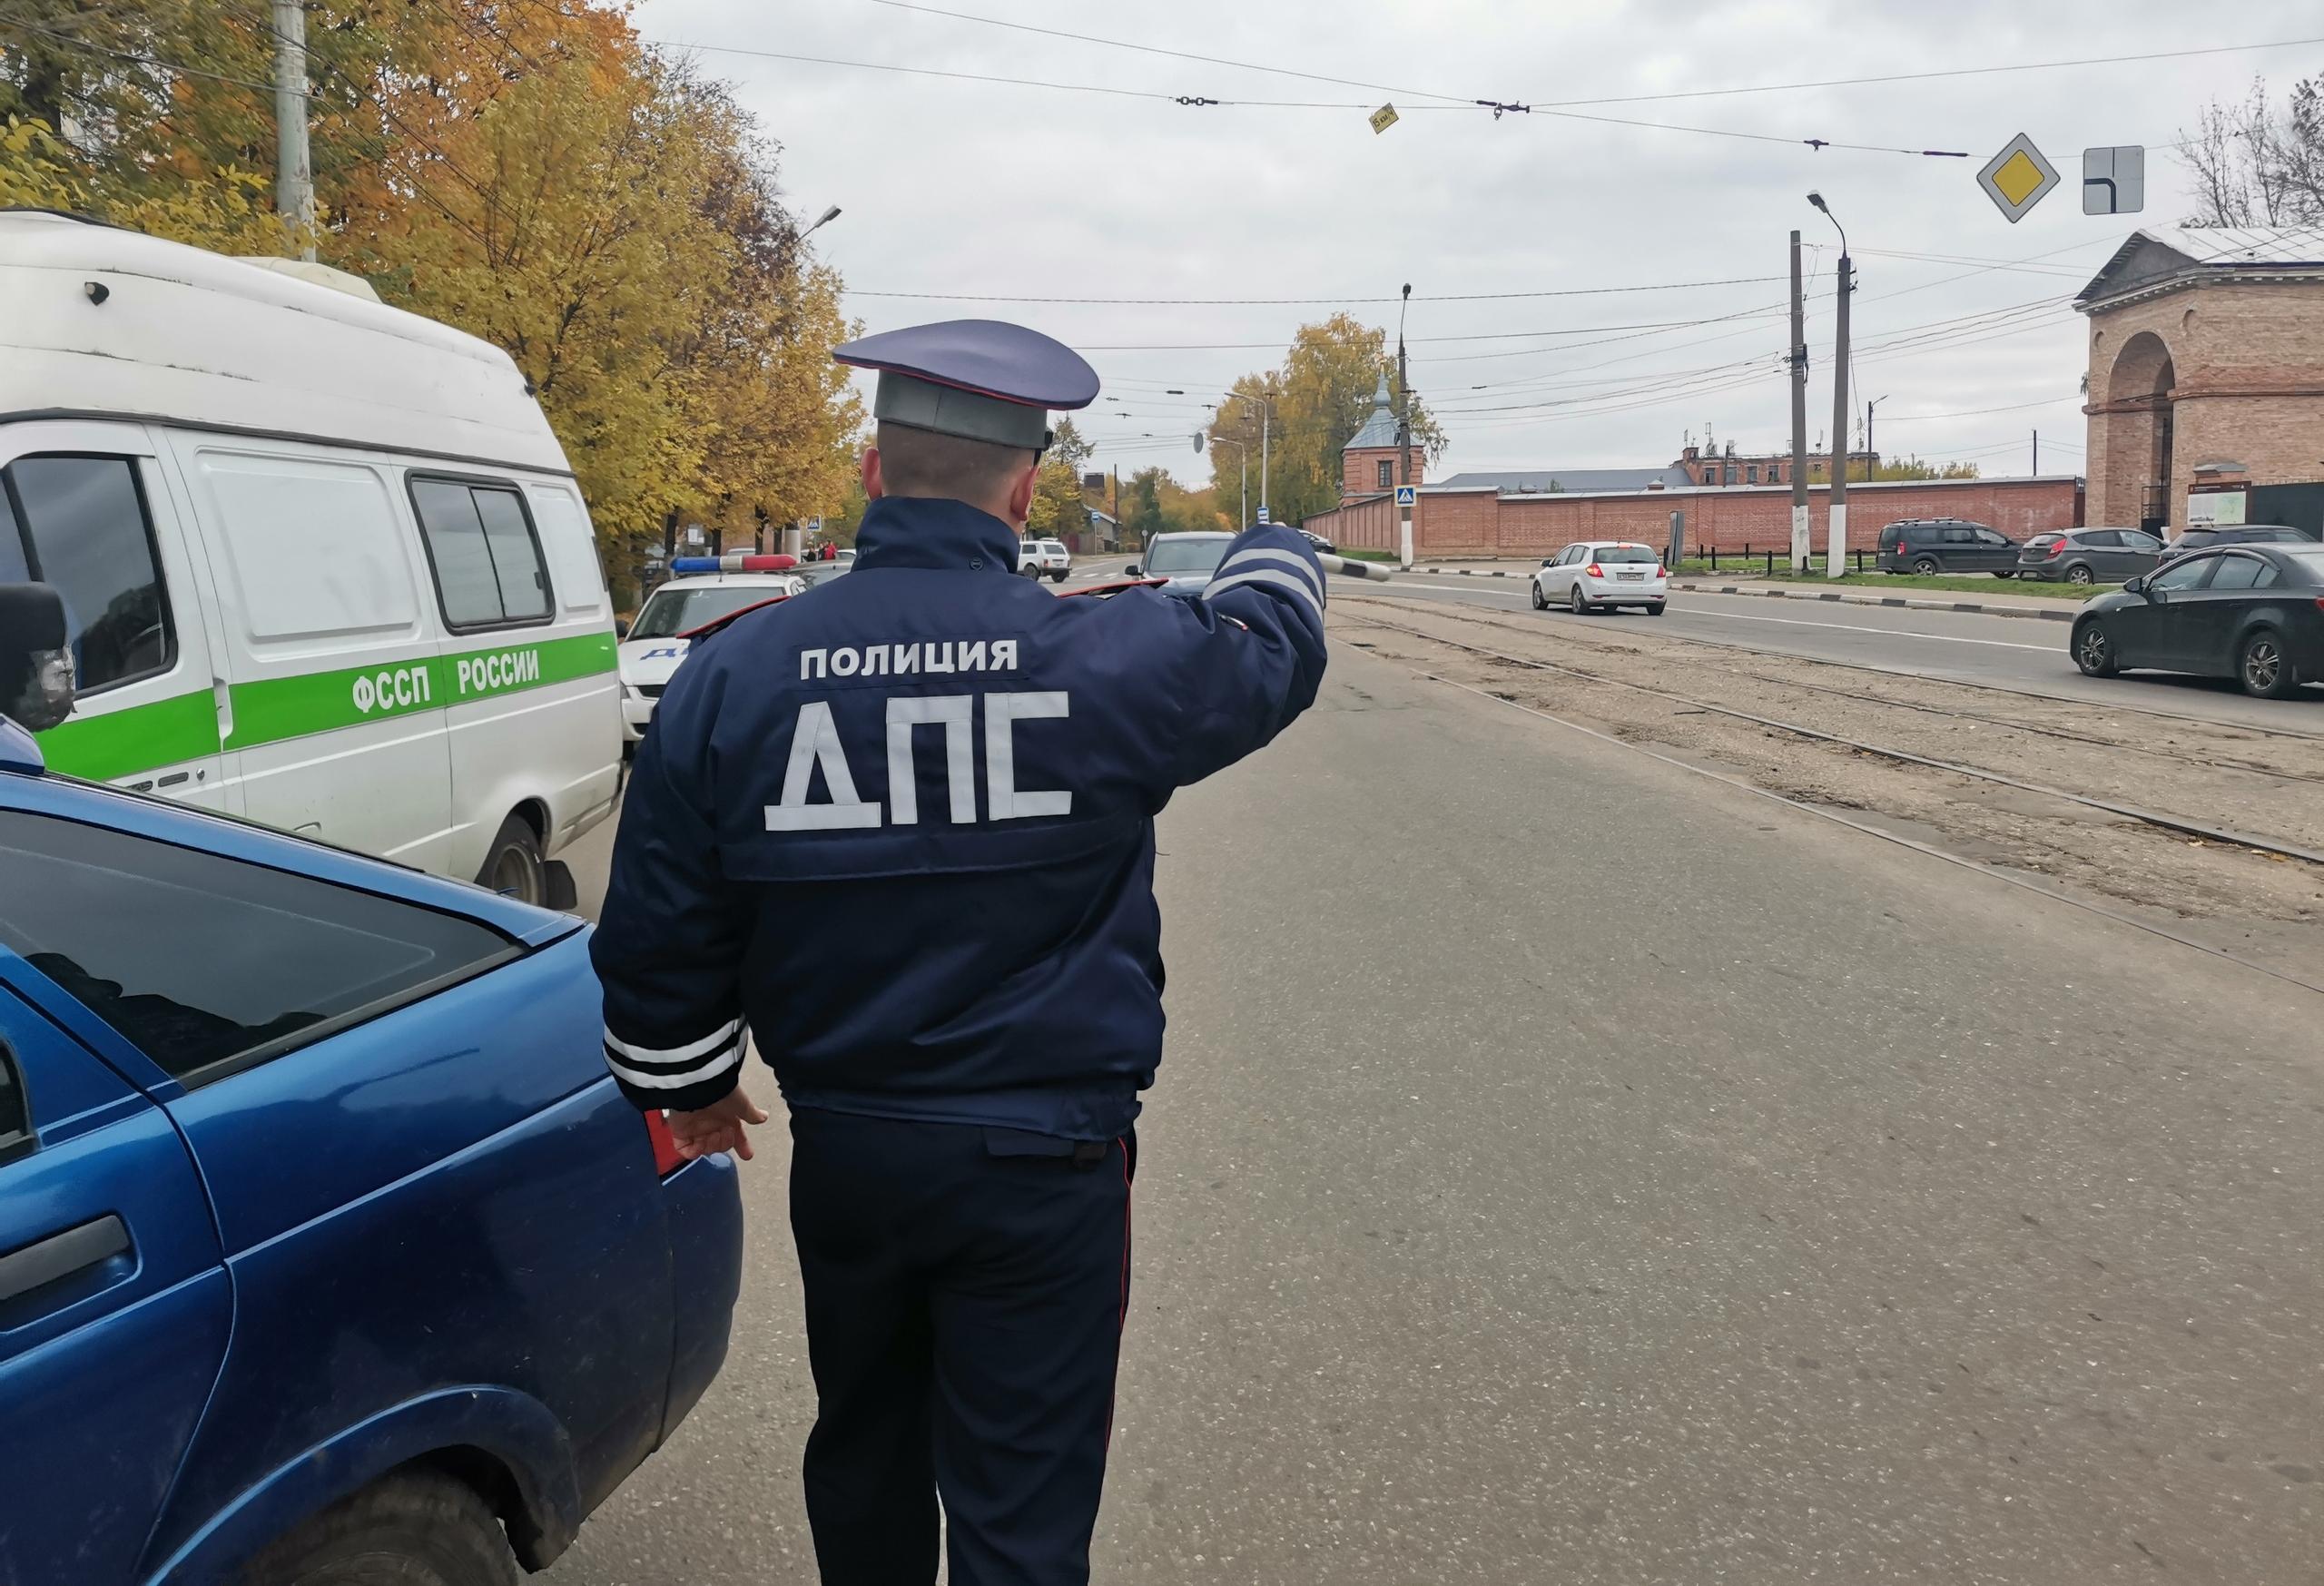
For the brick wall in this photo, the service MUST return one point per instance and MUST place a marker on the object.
(1479, 523)
(2245, 384)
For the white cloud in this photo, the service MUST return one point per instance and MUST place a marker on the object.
(961, 186)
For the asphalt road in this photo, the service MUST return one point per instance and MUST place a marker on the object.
(1568, 1169)
(2009, 651)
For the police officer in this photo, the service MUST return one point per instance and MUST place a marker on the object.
(900, 829)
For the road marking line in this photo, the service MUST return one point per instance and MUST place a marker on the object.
(1799, 622)
(1685, 608)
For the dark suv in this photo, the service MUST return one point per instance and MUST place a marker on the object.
(1947, 545)
(2239, 534)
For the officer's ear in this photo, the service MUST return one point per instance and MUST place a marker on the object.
(874, 485)
(1020, 494)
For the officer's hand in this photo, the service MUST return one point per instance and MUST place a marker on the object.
(716, 1128)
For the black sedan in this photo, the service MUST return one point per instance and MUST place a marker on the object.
(2253, 613)
(1319, 542)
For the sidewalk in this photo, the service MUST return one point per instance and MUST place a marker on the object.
(2033, 607)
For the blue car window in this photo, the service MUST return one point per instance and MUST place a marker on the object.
(207, 964)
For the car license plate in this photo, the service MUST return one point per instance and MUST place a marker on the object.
(1622, 575)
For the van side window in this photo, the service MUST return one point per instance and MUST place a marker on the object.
(487, 563)
(206, 963)
(80, 525)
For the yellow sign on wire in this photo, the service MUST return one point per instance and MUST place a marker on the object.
(1383, 118)
(2017, 178)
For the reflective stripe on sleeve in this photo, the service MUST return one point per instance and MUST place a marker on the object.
(1243, 559)
(676, 1067)
(1265, 575)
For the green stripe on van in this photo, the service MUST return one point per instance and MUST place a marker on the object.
(124, 743)
(317, 702)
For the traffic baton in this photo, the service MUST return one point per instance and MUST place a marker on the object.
(1350, 567)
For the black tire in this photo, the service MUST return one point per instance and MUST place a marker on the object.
(1575, 603)
(513, 864)
(1927, 567)
(1057, 577)
(1540, 601)
(2093, 651)
(414, 1529)
(1999, 573)
(2080, 576)
(1654, 610)
(2264, 666)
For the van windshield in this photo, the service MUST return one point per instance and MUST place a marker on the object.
(672, 612)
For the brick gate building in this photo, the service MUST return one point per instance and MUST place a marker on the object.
(2206, 344)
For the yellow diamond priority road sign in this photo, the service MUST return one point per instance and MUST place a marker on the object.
(2017, 178)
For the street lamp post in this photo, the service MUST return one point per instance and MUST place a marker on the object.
(1267, 415)
(1837, 542)
(1243, 446)
(1403, 436)
(795, 533)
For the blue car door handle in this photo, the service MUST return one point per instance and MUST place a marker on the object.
(62, 1255)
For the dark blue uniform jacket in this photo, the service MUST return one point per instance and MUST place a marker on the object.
(900, 828)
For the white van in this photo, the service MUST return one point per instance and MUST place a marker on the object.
(325, 565)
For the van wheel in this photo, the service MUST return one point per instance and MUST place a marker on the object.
(416, 1528)
(1925, 566)
(512, 866)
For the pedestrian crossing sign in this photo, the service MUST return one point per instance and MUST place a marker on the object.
(1404, 494)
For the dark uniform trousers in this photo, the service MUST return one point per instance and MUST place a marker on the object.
(966, 1289)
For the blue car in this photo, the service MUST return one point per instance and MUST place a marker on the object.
(328, 1250)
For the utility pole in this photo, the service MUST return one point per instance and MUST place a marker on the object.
(1117, 472)
(2037, 454)
(1403, 434)
(1267, 415)
(1837, 544)
(1871, 453)
(1800, 541)
(294, 181)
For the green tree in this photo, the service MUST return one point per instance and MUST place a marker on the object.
(1913, 468)
(1322, 395)
(1058, 507)
(1142, 506)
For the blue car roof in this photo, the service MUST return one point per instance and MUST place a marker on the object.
(24, 786)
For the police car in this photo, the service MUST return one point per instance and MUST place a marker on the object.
(706, 588)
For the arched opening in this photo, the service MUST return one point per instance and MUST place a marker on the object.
(2138, 395)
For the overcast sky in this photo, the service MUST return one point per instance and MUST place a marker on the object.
(953, 186)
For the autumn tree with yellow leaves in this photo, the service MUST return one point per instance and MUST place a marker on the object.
(532, 174)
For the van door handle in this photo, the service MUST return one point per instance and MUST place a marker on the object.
(61, 1256)
(224, 698)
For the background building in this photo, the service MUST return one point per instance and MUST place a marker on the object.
(2207, 345)
(1369, 461)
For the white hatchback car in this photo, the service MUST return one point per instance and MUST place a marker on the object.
(1599, 575)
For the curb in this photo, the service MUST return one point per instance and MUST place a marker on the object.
(2034, 613)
